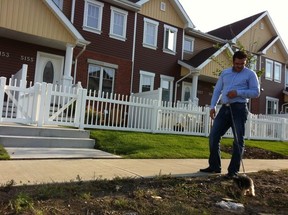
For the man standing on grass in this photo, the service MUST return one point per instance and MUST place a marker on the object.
(235, 86)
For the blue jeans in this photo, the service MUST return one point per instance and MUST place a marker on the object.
(222, 123)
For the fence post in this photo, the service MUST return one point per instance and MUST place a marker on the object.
(283, 129)
(82, 107)
(248, 126)
(2, 87)
(206, 122)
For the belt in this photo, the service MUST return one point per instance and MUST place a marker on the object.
(230, 104)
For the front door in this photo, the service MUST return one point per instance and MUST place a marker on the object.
(49, 68)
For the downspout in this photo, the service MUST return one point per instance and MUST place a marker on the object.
(175, 95)
(76, 61)
(133, 54)
(73, 11)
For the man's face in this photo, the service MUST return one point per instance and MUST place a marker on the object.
(239, 64)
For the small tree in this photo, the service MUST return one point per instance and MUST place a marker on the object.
(251, 59)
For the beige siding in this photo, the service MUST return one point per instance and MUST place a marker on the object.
(275, 55)
(152, 9)
(211, 68)
(256, 37)
(32, 17)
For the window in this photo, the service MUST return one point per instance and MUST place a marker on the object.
(286, 79)
(150, 33)
(271, 105)
(101, 78)
(93, 16)
(146, 81)
(59, 3)
(118, 23)
(189, 44)
(163, 6)
(269, 69)
(277, 72)
(170, 39)
(167, 87)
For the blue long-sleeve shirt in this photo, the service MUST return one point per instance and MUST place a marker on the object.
(245, 83)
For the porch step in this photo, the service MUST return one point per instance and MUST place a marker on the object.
(15, 135)
(24, 130)
(45, 142)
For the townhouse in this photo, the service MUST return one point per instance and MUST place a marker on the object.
(129, 46)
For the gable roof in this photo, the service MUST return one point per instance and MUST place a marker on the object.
(66, 23)
(178, 8)
(233, 31)
(200, 60)
(230, 31)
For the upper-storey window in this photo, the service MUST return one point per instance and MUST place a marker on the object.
(286, 79)
(59, 3)
(170, 39)
(118, 23)
(269, 69)
(93, 16)
(189, 44)
(277, 72)
(150, 33)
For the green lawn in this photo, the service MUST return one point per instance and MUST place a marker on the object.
(147, 145)
(3, 153)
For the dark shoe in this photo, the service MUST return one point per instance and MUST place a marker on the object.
(230, 176)
(209, 170)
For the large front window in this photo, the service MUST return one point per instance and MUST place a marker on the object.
(272, 105)
(101, 78)
(93, 16)
(146, 81)
(167, 88)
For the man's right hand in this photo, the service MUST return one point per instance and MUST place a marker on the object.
(212, 113)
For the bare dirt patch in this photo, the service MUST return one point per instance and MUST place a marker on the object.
(161, 195)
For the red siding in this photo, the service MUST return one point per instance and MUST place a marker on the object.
(20, 53)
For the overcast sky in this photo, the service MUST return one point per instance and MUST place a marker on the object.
(207, 15)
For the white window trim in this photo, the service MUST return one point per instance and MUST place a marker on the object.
(174, 30)
(271, 99)
(144, 73)
(270, 62)
(171, 80)
(280, 71)
(153, 46)
(125, 15)
(192, 40)
(88, 28)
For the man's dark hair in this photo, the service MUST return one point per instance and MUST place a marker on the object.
(239, 55)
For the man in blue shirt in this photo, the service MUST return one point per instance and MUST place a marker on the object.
(234, 88)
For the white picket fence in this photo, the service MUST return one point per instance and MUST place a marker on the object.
(46, 104)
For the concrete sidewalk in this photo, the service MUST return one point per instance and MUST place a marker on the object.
(66, 170)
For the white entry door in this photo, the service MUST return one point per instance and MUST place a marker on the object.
(49, 68)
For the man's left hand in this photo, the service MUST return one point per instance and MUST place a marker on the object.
(232, 94)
